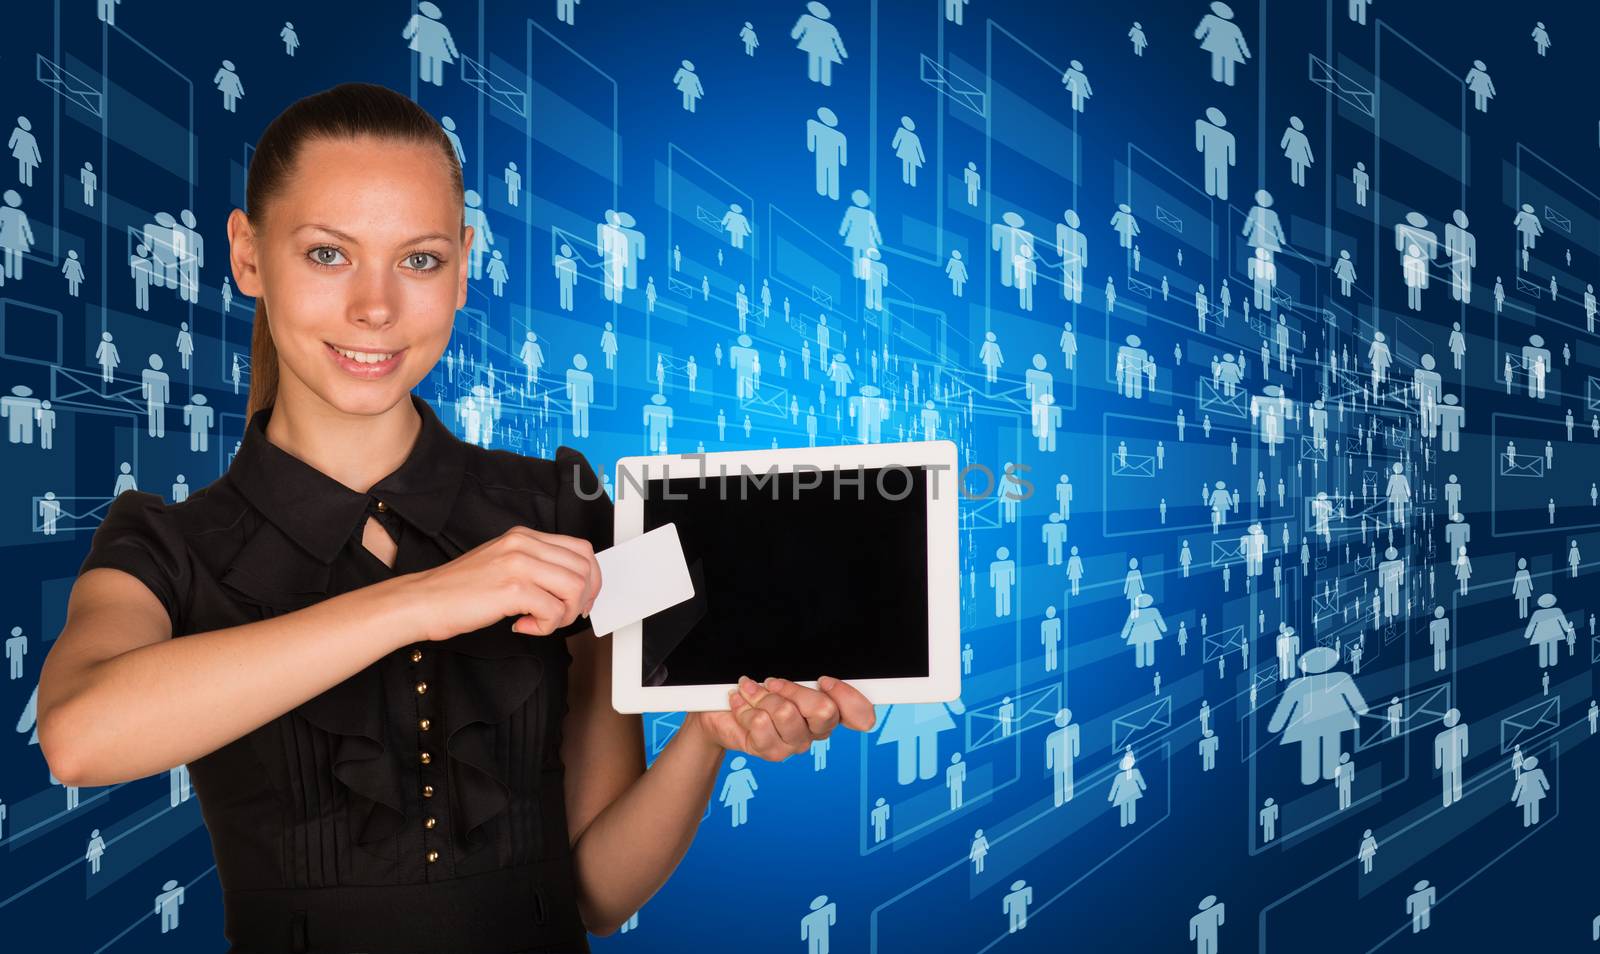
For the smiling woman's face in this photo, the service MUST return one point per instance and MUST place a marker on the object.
(363, 251)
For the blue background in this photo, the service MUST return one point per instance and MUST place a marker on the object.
(589, 113)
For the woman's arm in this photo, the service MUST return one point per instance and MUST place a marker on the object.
(630, 849)
(110, 714)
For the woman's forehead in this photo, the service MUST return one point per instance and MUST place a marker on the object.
(389, 181)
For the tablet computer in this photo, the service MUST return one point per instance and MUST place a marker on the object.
(810, 561)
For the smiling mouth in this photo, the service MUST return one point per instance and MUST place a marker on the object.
(360, 354)
(365, 364)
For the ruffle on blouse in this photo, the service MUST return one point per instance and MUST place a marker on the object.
(484, 676)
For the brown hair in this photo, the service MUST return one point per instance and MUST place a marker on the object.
(346, 111)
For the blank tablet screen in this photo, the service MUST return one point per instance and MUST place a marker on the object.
(797, 575)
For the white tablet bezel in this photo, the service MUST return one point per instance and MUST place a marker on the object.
(943, 682)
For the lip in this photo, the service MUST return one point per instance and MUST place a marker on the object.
(366, 372)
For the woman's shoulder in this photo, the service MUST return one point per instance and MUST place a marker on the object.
(555, 477)
(564, 491)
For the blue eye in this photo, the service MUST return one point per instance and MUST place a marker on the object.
(316, 257)
(316, 260)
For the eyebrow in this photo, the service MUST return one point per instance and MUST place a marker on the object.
(429, 236)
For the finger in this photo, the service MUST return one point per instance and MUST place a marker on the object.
(792, 727)
(577, 554)
(760, 731)
(544, 610)
(855, 709)
(818, 708)
(566, 581)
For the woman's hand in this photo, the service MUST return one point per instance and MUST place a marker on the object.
(545, 579)
(779, 718)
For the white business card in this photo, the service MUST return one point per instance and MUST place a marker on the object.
(639, 577)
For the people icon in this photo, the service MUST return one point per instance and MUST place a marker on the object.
(1450, 746)
(907, 146)
(1316, 709)
(1296, 148)
(1127, 787)
(1142, 629)
(1213, 141)
(1419, 904)
(829, 144)
(687, 82)
(819, 39)
(1203, 927)
(1547, 629)
(1530, 789)
(1268, 819)
(1077, 84)
(1367, 851)
(431, 41)
(1222, 38)
(737, 791)
(1482, 87)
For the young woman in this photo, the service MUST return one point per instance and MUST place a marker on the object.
(390, 750)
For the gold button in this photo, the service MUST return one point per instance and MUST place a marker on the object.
(432, 857)
(427, 791)
(416, 655)
(383, 507)
(430, 822)
(422, 687)
(427, 758)
(424, 723)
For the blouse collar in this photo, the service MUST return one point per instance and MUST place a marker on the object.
(319, 513)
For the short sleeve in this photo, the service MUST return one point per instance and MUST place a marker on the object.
(140, 537)
(583, 508)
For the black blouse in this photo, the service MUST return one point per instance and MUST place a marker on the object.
(418, 805)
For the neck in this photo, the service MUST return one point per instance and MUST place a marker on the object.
(357, 450)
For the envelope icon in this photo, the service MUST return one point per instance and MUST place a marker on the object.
(497, 88)
(1309, 449)
(1136, 726)
(1341, 85)
(1226, 551)
(1265, 680)
(1171, 221)
(767, 400)
(70, 87)
(560, 236)
(1133, 465)
(708, 220)
(1592, 394)
(1521, 465)
(1557, 219)
(1212, 399)
(1223, 642)
(960, 90)
(1531, 724)
(984, 516)
(1529, 288)
(1033, 708)
(1418, 709)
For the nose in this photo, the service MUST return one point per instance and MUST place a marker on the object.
(373, 297)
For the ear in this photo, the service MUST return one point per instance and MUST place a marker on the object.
(461, 277)
(243, 254)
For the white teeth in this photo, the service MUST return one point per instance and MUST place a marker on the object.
(364, 357)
